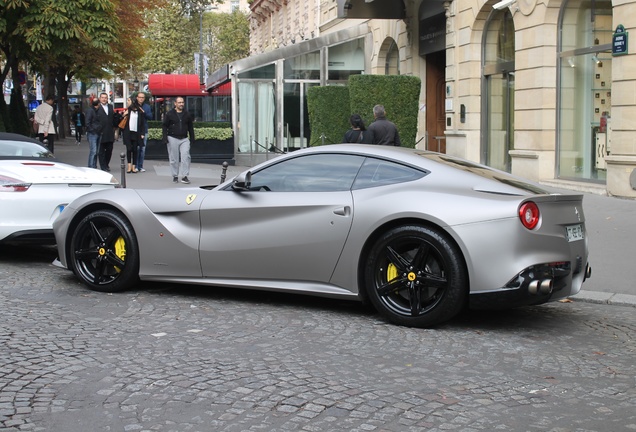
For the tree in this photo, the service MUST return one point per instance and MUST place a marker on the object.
(64, 38)
(174, 40)
(227, 37)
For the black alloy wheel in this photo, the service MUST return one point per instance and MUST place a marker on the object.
(104, 252)
(415, 276)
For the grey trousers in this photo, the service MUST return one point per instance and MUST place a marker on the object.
(179, 150)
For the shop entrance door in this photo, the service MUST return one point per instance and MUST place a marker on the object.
(435, 96)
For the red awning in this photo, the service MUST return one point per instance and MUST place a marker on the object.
(175, 85)
(224, 89)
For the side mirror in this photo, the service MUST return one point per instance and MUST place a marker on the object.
(242, 182)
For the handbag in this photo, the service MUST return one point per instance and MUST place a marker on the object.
(123, 122)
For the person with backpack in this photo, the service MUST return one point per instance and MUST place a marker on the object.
(357, 132)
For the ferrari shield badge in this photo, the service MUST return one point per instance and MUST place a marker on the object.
(190, 198)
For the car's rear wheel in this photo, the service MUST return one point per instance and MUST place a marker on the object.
(104, 252)
(415, 276)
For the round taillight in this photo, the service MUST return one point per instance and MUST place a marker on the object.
(529, 215)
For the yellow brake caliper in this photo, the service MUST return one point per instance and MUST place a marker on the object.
(120, 251)
(391, 272)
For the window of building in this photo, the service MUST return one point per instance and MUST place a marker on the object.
(392, 64)
(345, 60)
(585, 93)
(498, 90)
(304, 66)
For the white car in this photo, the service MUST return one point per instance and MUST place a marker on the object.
(35, 188)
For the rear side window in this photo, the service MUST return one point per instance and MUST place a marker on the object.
(377, 172)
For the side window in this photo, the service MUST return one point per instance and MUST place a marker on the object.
(309, 173)
(377, 172)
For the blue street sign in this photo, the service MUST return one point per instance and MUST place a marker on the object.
(619, 41)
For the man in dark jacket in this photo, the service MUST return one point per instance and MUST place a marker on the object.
(105, 115)
(93, 132)
(383, 132)
(177, 125)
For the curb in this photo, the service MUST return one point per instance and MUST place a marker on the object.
(605, 298)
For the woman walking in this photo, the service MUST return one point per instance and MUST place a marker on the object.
(133, 133)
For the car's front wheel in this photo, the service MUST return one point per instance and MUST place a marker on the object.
(104, 253)
(415, 276)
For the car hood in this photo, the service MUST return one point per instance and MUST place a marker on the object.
(51, 172)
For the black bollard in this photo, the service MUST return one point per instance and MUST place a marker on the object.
(122, 156)
(224, 172)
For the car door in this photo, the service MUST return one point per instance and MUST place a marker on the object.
(291, 225)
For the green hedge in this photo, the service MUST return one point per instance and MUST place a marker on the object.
(398, 93)
(330, 107)
(157, 124)
(203, 133)
(328, 113)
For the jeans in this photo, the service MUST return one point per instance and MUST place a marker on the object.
(141, 152)
(93, 143)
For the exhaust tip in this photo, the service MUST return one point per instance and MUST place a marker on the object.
(546, 286)
(533, 287)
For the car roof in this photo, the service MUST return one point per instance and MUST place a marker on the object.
(7, 136)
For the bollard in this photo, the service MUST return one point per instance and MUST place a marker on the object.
(122, 156)
(224, 172)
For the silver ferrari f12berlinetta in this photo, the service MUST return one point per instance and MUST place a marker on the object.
(419, 235)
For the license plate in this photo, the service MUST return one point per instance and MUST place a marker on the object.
(574, 232)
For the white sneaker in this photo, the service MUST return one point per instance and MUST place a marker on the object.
(142, 170)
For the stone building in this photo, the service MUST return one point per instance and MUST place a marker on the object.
(545, 89)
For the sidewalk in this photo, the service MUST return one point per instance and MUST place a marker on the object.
(611, 222)
(157, 173)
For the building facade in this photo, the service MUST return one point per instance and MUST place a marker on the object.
(545, 89)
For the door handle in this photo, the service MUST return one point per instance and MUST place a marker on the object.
(343, 211)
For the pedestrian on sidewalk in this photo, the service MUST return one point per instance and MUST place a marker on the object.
(383, 132)
(105, 115)
(79, 121)
(133, 133)
(93, 133)
(44, 118)
(357, 132)
(177, 125)
(145, 108)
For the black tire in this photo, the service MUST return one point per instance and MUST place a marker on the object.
(104, 253)
(416, 277)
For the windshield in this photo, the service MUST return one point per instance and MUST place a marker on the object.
(22, 150)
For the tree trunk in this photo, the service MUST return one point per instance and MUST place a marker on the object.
(17, 110)
(64, 123)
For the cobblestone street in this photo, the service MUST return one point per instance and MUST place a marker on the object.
(184, 358)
